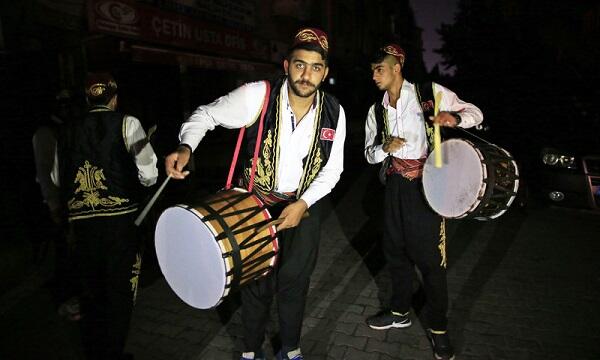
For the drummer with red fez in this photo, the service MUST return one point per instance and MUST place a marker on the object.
(399, 132)
(301, 159)
(103, 162)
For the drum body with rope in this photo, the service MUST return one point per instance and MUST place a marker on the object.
(209, 249)
(475, 181)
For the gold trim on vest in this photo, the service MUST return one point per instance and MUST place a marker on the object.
(91, 200)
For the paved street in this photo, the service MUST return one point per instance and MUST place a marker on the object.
(525, 286)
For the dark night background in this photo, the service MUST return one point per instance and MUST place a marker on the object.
(531, 66)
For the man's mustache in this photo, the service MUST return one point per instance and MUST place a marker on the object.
(304, 82)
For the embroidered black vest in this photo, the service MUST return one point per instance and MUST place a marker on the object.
(98, 176)
(426, 101)
(268, 160)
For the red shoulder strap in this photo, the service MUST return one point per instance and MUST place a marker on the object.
(236, 153)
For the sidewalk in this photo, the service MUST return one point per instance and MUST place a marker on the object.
(520, 288)
(524, 286)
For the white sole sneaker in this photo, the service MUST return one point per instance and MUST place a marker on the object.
(396, 325)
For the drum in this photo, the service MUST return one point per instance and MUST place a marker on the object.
(475, 181)
(209, 249)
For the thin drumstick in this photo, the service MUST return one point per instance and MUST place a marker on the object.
(437, 137)
(148, 206)
(277, 222)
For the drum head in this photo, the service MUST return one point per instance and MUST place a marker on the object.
(190, 257)
(453, 190)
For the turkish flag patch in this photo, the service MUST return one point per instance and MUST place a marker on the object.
(327, 134)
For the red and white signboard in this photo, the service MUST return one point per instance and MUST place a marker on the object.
(164, 56)
(129, 19)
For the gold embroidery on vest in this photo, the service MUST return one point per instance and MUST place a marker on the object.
(90, 180)
(264, 167)
(276, 127)
(429, 133)
(316, 166)
(442, 244)
(385, 134)
(313, 159)
(428, 128)
(136, 270)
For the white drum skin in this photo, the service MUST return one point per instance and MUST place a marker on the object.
(479, 182)
(190, 258)
(216, 246)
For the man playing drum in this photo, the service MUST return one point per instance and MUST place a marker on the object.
(400, 131)
(300, 161)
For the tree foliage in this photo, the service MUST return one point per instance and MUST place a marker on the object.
(531, 66)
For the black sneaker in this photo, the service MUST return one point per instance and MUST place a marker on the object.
(442, 350)
(388, 319)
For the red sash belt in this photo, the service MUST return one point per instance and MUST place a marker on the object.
(273, 198)
(408, 168)
(269, 198)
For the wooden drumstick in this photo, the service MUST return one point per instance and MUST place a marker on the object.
(148, 206)
(277, 222)
(437, 137)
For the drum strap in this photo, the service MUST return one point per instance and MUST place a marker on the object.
(427, 102)
(424, 92)
(236, 153)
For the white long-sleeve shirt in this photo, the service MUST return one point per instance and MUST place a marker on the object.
(44, 145)
(140, 149)
(242, 106)
(407, 121)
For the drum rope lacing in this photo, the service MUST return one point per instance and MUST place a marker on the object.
(241, 272)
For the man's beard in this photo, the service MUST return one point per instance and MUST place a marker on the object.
(298, 92)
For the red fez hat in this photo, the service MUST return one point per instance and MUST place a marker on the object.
(395, 50)
(312, 36)
(100, 86)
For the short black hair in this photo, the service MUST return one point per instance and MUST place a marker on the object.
(379, 56)
(100, 100)
(309, 47)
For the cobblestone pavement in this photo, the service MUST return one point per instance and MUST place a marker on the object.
(524, 286)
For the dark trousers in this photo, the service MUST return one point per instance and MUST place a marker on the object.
(414, 235)
(289, 282)
(109, 265)
(65, 276)
(67, 284)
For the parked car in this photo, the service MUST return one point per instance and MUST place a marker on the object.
(570, 178)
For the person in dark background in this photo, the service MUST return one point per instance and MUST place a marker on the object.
(298, 115)
(101, 163)
(44, 144)
(397, 130)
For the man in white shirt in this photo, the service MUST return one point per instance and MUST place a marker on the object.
(103, 162)
(400, 130)
(44, 147)
(301, 159)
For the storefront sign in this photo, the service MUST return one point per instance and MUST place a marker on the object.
(128, 19)
(163, 56)
(239, 13)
